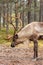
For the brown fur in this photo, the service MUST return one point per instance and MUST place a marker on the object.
(31, 31)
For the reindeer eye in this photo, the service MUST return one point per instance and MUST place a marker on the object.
(16, 36)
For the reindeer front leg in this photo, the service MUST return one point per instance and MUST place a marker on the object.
(35, 48)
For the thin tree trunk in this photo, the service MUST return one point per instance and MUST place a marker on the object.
(23, 18)
(28, 17)
(0, 17)
(3, 15)
(34, 10)
(7, 23)
(16, 12)
(29, 12)
(23, 14)
(10, 13)
(40, 12)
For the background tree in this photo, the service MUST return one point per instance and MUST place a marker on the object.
(29, 12)
(7, 22)
(3, 11)
(34, 10)
(41, 11)
(0, 16)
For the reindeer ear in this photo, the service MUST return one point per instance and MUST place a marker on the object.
(16, 36)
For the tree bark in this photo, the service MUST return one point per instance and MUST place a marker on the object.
(16, 12)
(41, 11)
(29, 12)
(0, 17)
(7, 23)
(3, 14)
(34, 10)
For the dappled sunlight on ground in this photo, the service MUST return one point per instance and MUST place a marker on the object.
(40, 43)
(22, 54)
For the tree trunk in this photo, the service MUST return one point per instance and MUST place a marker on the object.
(3, 8)
(10, 12)
(29, 12)
(7, 23)
(16, 12)
(41, 11)
(0, 18)
(34, 10)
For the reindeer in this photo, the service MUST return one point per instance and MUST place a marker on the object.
(32, 32)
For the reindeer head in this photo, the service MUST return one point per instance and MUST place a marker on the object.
(15, 37)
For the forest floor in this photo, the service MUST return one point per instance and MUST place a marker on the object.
(20, 55)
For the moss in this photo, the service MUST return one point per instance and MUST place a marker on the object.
(3, 35)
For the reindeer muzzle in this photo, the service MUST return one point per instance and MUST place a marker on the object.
(13, 44)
